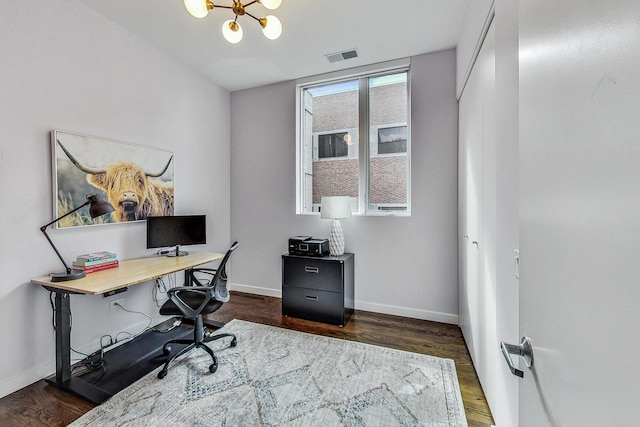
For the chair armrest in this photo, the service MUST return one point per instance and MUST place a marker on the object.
(186, 309)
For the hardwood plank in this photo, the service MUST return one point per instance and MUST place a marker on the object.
(41, 404)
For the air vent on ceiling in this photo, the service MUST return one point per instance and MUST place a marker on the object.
(341, 56)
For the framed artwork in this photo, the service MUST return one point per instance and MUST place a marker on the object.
(136, 180)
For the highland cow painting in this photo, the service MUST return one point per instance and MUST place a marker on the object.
(137, 180)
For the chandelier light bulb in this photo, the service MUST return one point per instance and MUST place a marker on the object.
(271, 4)
(272, 27)
(197, 8)
(232, 31)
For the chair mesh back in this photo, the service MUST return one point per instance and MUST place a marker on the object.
(220, 278)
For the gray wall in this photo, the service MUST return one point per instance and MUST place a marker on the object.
(404, 265)
(66, 67)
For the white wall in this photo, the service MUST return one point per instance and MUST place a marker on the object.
(404, 266)
(66, 67)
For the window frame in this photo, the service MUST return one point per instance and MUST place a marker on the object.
(362, 74)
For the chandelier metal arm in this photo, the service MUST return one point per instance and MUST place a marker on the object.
(247, 13)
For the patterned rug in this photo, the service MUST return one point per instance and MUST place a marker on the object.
(278, 377)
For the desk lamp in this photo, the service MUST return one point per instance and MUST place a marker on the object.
(335, 208)
(98, 208)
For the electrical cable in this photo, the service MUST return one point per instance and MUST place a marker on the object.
(53, 312)
(160, 287)
(90, 363)
(131, 336)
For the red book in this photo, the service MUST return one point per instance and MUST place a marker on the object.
(98, 267)
(109, 263)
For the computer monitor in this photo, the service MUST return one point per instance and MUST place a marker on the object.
(168, 231)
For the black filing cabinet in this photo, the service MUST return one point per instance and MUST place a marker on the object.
(318, 288)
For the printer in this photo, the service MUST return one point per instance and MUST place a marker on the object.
(308, 246)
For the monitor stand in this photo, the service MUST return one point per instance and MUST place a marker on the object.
(177, 252)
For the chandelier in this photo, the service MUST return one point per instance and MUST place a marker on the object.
(231, 29)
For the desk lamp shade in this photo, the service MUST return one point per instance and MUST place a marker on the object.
(98, 208)
(335, 208)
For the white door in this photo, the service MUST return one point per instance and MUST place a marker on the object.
(471, 130)
(478, 225)
(580, 211)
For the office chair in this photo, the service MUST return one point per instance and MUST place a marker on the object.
(192, 302)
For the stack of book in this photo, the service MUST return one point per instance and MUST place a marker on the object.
(96, 261)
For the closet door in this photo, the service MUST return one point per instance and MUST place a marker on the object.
(470, 180)
(477, 221)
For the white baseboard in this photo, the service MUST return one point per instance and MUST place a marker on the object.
(268, 292)
(365, 306)
(433, 316)
(49, 368)
(27, 378)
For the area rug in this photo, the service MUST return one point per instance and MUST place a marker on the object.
(279, 377)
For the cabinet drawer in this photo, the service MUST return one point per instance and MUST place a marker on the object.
(325, 275)
(311, 304)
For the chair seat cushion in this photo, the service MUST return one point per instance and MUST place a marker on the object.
(193, 300)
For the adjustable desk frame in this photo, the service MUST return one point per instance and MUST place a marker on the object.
(129, 273)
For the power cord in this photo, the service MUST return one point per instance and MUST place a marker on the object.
(131, 336)
(53, 312)
(174, 325)
(90, 363)
(159, 288)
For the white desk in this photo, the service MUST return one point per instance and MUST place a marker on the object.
(129, 272)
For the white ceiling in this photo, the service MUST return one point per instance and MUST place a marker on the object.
(379, 30)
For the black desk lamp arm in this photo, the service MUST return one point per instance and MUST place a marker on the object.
(44, 231)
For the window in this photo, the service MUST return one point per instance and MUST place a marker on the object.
(392, 140)
(332, 145)
(354, 140)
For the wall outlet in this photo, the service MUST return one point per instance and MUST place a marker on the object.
(114, 303)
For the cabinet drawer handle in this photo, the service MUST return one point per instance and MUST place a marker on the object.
(312, 269)
(310, 298)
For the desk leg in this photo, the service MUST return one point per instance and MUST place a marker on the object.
(63, 378)
(63, 337)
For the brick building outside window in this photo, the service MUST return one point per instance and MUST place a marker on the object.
(331, 151)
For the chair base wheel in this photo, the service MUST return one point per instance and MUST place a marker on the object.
(166, 350)
(162, 374)
(234, 342)
(213, 367)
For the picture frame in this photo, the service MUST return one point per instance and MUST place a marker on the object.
(137, 180)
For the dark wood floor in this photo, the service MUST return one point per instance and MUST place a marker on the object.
(41, 404)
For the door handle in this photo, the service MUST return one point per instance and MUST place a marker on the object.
(524, 350)
(311, 269)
